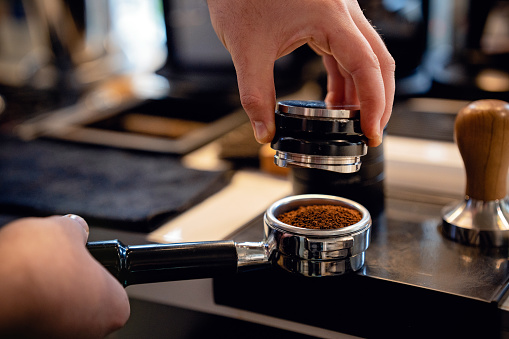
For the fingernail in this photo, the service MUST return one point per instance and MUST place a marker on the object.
(78, 219)
(260, 131)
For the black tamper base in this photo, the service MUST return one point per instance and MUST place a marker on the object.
(313, 134)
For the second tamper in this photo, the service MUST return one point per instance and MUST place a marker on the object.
(313, 134)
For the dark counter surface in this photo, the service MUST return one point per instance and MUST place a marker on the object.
(415, 283)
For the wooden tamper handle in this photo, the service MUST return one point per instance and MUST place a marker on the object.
(482, 135)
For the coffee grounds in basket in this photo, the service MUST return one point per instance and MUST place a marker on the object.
(321, 217)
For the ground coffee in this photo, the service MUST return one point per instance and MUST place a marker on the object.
(321, 217)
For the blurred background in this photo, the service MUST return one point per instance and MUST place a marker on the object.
(127, 113)
(152, 77)
(140, 64)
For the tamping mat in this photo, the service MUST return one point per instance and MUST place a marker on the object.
(108, 186)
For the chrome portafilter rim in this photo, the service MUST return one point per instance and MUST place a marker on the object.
(290, 203)
(317, 252)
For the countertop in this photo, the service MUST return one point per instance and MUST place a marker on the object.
(415, 171)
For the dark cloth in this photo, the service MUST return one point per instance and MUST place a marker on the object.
(110, 186)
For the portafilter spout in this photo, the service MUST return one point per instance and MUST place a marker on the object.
(482, 135)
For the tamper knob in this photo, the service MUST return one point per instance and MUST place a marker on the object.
(482, 135)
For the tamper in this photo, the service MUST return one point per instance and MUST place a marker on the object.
(313, 134)
(482, 135)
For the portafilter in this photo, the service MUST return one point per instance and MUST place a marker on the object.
(302, 251)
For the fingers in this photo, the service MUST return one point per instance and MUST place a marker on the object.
(80, 221)
(70, 292)
(247, 31)
(360, 70)
(73, 223)
(363, 68)
(386, 61)
(112, 291)
(257, 92)
(105, 286)
(340, 87)
(119, 304)
(95, 283)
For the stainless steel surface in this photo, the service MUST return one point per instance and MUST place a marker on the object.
(304, 251)
(477, 222)
(334, 164)
(321, 268)
(252, 254)
(318, 109)
(317, 252)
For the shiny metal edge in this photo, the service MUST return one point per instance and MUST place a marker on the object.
(293, 202)
(252, 254)
(318, 109)
(321, 268)
(340, 164)
(478, 223)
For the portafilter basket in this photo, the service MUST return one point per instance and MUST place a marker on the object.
(317, 252)
(302, 251)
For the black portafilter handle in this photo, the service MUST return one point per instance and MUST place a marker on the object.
(139, 264)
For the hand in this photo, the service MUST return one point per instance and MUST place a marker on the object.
(51, 287)
(359, 66)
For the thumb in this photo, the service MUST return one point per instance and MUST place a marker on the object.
(80, 222)
(255, 79)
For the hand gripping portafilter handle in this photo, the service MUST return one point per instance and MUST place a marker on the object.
(482, 135)
(165, 262)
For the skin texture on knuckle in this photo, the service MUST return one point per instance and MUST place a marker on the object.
(252, 104)
(389, 64)
(366, 63)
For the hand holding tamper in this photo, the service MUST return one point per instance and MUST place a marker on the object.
(482, 135)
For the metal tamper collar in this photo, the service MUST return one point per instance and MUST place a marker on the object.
(318, 109)
(314, 134)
